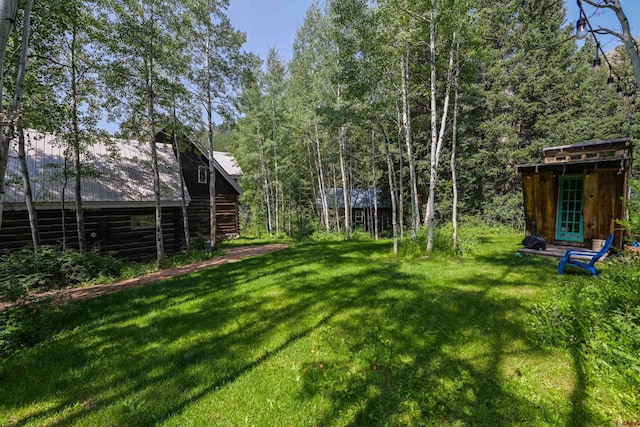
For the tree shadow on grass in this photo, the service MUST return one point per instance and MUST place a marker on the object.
(144, 355)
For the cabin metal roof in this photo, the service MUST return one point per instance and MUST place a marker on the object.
(118, 173)
(360, 198)
(228, 163)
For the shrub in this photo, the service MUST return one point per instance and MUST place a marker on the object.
(50, 268)
(27, 324)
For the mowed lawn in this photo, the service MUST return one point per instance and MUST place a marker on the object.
(337, 333)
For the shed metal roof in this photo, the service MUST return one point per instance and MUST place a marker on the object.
(360, 198)
(118, 173)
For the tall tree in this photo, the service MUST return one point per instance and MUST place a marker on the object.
(217, 70)
(139, 41)
(8, 10)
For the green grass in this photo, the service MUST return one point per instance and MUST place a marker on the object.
(330, 333)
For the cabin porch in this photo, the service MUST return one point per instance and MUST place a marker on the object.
(553, 251)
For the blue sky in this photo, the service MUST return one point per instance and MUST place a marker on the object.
(269, 23)
(607, 19)
(274, 22)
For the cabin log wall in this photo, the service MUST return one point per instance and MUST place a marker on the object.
(112, 228)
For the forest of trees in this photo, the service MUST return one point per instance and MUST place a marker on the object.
(434, 102)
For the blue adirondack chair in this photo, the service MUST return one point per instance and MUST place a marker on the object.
(584, 258)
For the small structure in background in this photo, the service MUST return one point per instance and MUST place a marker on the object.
(117, 195)
(363, 207)
(578, 194)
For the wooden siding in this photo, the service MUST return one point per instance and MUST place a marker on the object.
(540, 197)
(111, 227)
(227, 216)
(604, 192)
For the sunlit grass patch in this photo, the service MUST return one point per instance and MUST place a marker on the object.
(323, 333)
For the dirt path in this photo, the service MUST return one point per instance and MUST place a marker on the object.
(85, 293)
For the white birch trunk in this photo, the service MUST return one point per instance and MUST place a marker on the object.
(406, 120)
(26, 186)
(437, 135)
(393, 192)
(8, 10)
(77, 174)
(342, 140)
(321, 182)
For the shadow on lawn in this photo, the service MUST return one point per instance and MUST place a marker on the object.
(412, 352)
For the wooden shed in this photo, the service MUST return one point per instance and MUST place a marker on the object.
(364, 204)
(579, 192)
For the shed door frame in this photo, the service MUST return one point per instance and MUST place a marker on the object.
(570, 218)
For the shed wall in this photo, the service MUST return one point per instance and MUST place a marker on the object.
(112, 229)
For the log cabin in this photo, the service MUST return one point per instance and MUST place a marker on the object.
(117, 196)
(578, 194)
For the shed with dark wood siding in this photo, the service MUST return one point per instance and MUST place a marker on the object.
(578, 194)
(195, 171)
(117, 196)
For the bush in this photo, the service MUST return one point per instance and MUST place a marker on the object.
(24, 325)
(50, 268)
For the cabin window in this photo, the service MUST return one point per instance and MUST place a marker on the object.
(359, 217)
(202, 174)
(141, 222)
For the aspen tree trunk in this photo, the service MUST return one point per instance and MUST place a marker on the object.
(265, 185)
(151, 131)
(393, 192)
(400, 184)
(454, 177)
(437, 135)
(375, 185)
(213, 224)
(342, 140)
(626, 37)
(406, 120)
(315, 187)
(335, 198)
(321, 183)
(82, 241)
(8, 10)
(454, 137)
(63, 193)
(26, 186)
(183, 197)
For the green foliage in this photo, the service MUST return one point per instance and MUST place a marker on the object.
(50, 268)
(632, 224)
(599, 321)
(25, 325)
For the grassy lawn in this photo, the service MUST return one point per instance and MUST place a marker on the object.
(335, 333)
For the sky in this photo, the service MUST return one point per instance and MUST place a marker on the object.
(607, 19)
(274, 23)
(269, 23)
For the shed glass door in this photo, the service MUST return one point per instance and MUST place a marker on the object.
(570, 224)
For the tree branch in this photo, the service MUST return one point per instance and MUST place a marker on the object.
(601, 30)
(607, 5)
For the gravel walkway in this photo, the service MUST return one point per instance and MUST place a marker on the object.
(231, 255)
